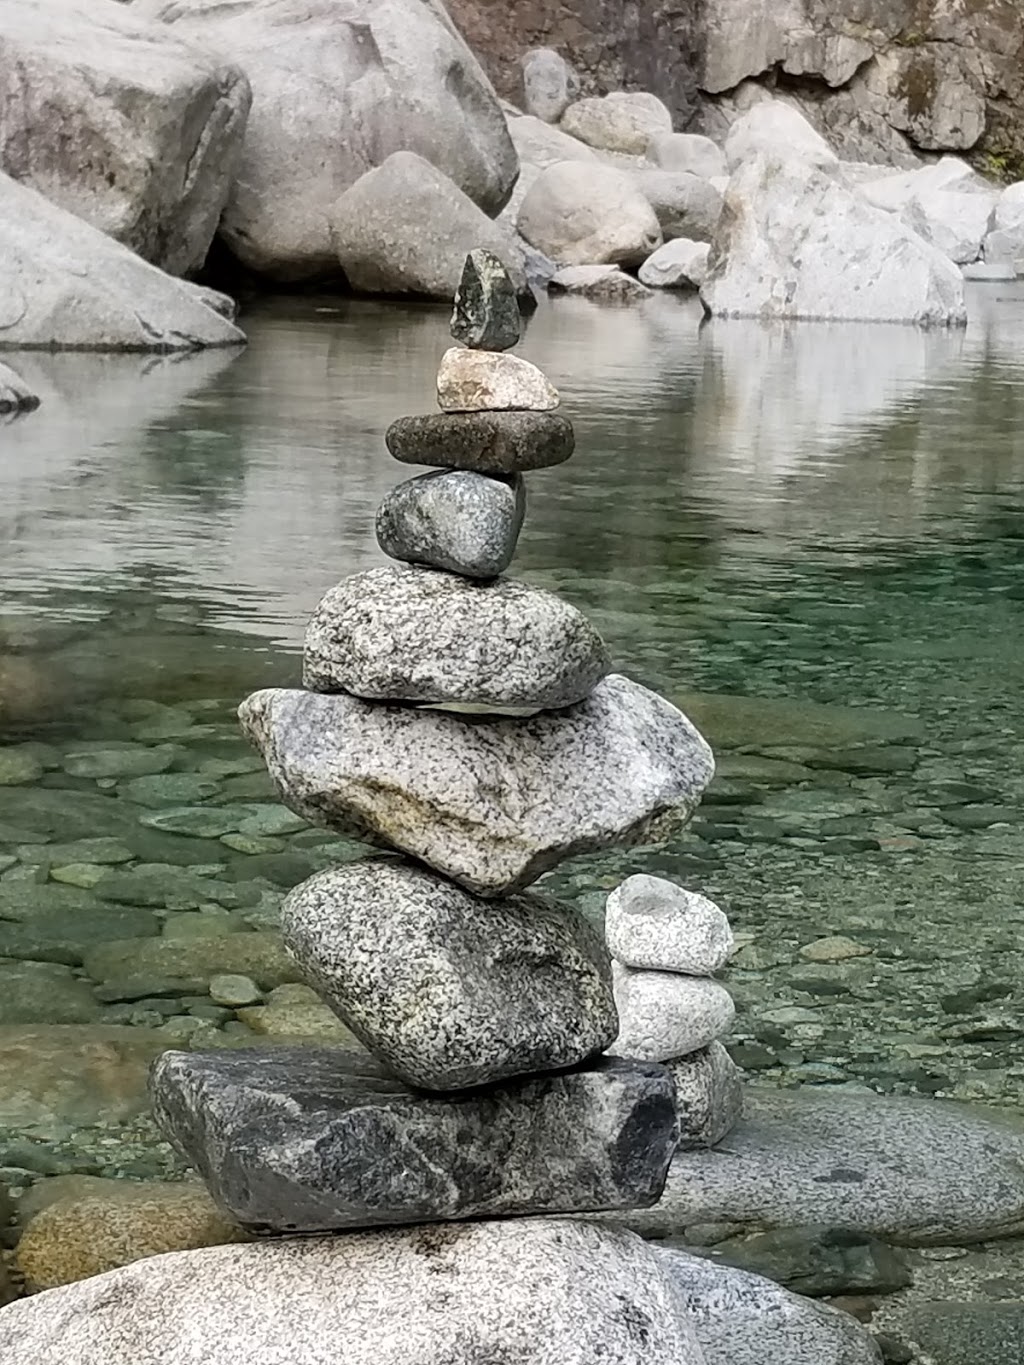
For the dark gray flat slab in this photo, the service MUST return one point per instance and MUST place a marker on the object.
(317, 1139)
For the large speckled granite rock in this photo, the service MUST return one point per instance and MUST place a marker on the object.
(663, 1015)
(484, 381)
(315, 1139)
(529, 1291)
(652, 923)
(709, 1095)
(453, 519)
(449, 990)
(487, 442)
(913, 1172)
(410, 634)
(491, 804)
(742, 1319)
(486, 313)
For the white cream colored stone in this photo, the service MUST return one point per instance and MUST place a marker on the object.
(679, 264)
(687, 152)
(955, 224)
(491, 381)
(663, 1016)
(624, 121)
(653, 924)
(578, 213)
(777, 128)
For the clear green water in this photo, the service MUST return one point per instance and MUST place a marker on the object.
(820, 531)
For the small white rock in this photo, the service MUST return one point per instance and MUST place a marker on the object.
(679, 264)
(606, 282)
(549, 84)
(990, 272)
(652, 924)
(709, 1095)
(663, 1016)
(488, 381)
(687, 152)
(233, 991)
(624, 121)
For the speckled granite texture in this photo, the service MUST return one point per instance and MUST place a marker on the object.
(492, 804)
(447, 989)
(709, 1094)
(519, 1292)
(663, 1015)
(650, 922)
(315, 1139)
(399, 633)
(454, 519)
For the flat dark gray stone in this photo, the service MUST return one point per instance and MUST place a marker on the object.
(317, 1139)
(486, 314)
(454, 519)
(449, 990)
(487, 442)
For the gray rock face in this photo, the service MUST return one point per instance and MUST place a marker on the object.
(685, 205)
(491, 804)
(709, 1094)
(486, 313)
(663, 1015)
(532, 1291)
(405, 228)
(337, 88)
(742, 1319)
(485, 442)
(913, 1172)
(549, 84)
(620, 122)
(315, 1139)
(579, 213)
(15, 395)
(121, 123)
(409, 634)
(66, 286)
(652, 923)
(447, 990)
(454, 519)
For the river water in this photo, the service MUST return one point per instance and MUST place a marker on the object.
(811, 538)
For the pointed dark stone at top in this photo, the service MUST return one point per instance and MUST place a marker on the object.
(486, 315)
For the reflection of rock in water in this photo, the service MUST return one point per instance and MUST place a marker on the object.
(27, 692)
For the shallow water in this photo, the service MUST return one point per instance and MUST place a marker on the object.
(818, 530)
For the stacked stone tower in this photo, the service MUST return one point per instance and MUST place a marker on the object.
(471, 727)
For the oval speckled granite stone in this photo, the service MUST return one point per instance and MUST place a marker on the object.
(449, 990)
(487, 442)
(492, 804)
(454, 519)
(414, 635)
(528, 1291)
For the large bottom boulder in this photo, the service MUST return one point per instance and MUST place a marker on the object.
(492, 1293)
(796, 241)
(66, 286)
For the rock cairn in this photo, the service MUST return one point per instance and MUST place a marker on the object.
(470, 726)
(666, 943)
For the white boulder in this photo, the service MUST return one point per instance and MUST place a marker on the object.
(1004, 244)
(776, 128)
(795, 241)
(337, 88)
(64, 285)
(620, 122)
(687, 152)
(663, 1016)
(530, 1290)
(652, 923)
(956, 224)
(405, 228)
(121, 123)
(583, 214)
(549, 84)
(679, 264)
(894, 192)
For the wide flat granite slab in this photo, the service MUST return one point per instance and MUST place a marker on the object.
(319, 1139)
(913, 1172)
